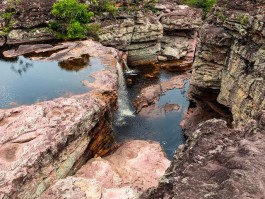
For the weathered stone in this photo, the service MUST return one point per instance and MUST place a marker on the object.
(148, 96)
(144, 56)
(74, 188)
(102, 81)
(45, 142)
(57, 132)
(182, 18)
(29, 14)
(145, 36)
(19, 36)
(134, 167)
(230, 57)
(102, 171)
(217, 162)
(132, 160)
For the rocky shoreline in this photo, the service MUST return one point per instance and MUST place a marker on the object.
(45, 143)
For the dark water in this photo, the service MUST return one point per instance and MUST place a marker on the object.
(165, 129)
(23, 81)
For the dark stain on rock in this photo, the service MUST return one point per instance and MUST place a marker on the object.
(10, 153)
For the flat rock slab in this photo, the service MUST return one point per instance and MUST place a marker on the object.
(139, 163)
(134, 167)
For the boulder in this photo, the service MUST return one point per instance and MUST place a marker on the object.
(132, 168)
(50, 140)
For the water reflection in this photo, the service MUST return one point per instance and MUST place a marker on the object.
(21, 66)
(162, 125)
(24, 81)
(75, 64)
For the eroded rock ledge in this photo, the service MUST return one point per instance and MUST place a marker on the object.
(134, 167)
(217, 162)
(167, 38)
(50, 140)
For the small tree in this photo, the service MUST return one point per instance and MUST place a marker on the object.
(72, 18)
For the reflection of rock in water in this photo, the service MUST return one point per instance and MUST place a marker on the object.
(21, 66)
(75, 64)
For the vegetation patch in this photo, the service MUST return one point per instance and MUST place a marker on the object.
(71, 19)
(206, 5)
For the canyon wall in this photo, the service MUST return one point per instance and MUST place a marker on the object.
(230, 57)
(217, 161)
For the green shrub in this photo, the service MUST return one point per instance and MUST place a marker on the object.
(72, 19)
(99, 6)
(206, 5)
(7, 17)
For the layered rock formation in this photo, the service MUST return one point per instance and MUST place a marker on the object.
(167, 38)
(230, 59)
(48, 141)
(30, 20)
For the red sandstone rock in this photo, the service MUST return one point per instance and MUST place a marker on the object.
(217, 162)
(134, 166)
(152, 111)
(101, 170)
(47, 141)
(139, 163)
(44, 142)
(102, 80)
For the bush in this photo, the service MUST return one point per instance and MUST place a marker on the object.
(100, 6)
(72, 19)
(206, 5)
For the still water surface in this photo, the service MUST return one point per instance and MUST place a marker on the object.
(165, 129)
(24, 81)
